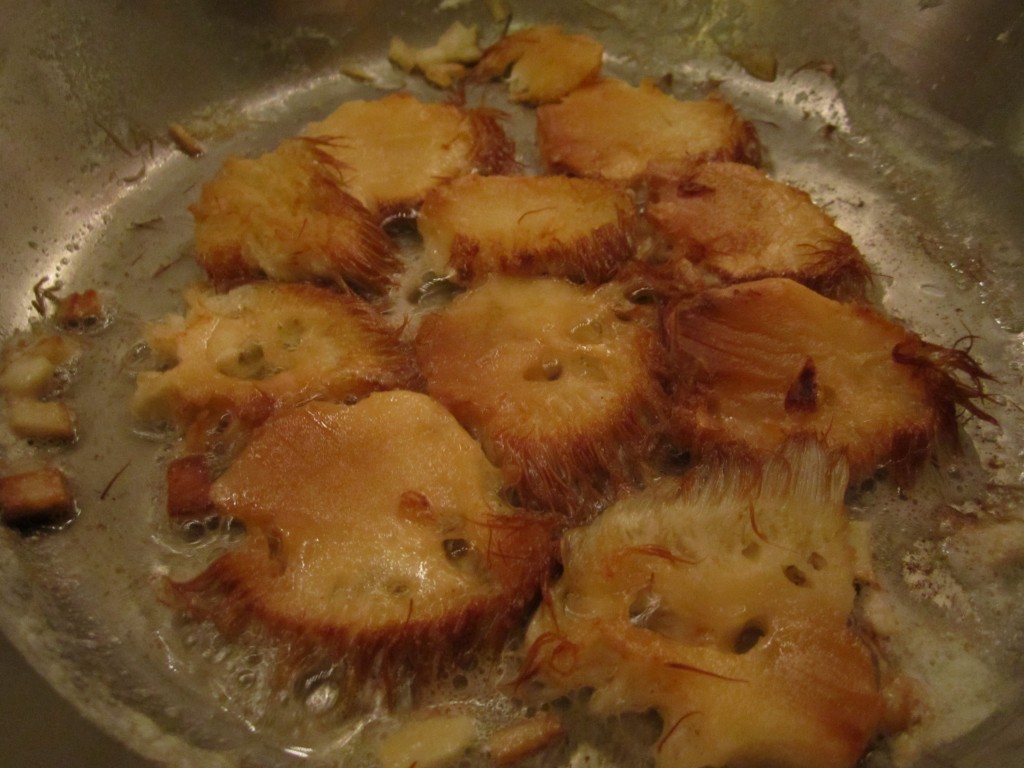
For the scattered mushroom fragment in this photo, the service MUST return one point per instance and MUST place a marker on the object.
(35, 498)
(542, 62)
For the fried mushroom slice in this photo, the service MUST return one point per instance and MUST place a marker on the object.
(543, 63)
(262, 345)
(393, 150)
(285, 215)
(723, 601)
(764, 360)
(737, 224)
(579, 229)
(376, 534)
(612, 130)
(556, 380)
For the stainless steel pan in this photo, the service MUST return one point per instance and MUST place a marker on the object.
(904, 117)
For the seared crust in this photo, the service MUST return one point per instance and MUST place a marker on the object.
(285, 215)
(543, 63)
(724, 603)
(737, 224)
(395, 149)
(262, 345)
(376, 535)
(580, 229)
(554, 379)
(612, 130)
(761, 361)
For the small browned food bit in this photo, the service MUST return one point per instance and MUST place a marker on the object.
(39, 497)
(678, 598)
(241, 354)
(759, 362)
(184, 140)
(40, 419)
(31, 372)
(443, 63)
(556, 380)
(736, 224)
(543, 63)
(286, 215)
(395, 149)
(581, 229)
(375, 534)
(80, 311)
(189, 479)
(613, 130)
(31, 364)
(524, 738)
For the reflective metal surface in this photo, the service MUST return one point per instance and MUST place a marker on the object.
(927, 94)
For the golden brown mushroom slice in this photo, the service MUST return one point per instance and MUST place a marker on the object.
(556, 381)
(765, 360)
(737, 224)
(393, 150)
(543, 63)
(262, 345)
(581, 229)
(376, 535)
(286, 215)
(613, 130)
(723, 601)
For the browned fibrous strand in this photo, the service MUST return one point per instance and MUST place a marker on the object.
(952, 364)
(556, 383)
(286, 215)
(888, 396)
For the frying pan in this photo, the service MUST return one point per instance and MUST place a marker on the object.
(904, 118)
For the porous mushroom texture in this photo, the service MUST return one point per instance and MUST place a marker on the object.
(543, 63)
(263, 345)
(285, 215)
(376, 534)
(723, 601)
(556, 381)
(737, 224)
(761, 361)
(614, 130)
(580, 229)
(393, 150)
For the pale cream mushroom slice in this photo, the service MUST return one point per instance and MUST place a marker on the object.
(557, 381)
(614, 130)
(286, 215)
(376, 534)
(581, 229)
(395, 149)
(724, 602)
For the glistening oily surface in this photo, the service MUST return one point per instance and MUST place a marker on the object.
(972, 637)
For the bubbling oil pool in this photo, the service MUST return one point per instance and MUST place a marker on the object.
(307, 718)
